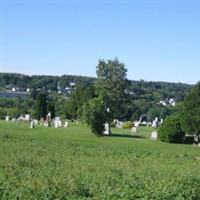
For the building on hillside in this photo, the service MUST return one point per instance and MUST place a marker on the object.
(167, 102)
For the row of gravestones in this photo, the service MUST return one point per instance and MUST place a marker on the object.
(34, 122)
(153, 135)
(57, 123)
(154, 124)
(107, 131)
(21, 118)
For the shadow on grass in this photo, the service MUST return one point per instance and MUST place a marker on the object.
(126, 136)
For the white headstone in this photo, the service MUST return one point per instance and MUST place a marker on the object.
(58, 123)
(27, 117)
(7, 118)
(66, 124)
(136, 123)
(154, 135)
(32, 125)
(134, 130)
(21, 118)
(35, 121)
(14, 119)
(107, 129)
(119, 124)
(57, 118)
(154, 124)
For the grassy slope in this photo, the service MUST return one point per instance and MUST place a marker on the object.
(49, 163)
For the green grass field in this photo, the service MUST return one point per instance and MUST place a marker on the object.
(72, 163)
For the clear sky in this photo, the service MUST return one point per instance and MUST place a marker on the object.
(156, 40)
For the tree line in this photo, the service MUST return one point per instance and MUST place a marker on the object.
(128, 100)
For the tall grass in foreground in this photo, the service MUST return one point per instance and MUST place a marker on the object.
(49, 163)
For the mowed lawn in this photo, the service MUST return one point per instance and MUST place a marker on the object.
(72, 163)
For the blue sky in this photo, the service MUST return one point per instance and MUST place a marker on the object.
(156, 40)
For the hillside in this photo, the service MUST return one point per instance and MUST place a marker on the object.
(152, 99)
(139, 89)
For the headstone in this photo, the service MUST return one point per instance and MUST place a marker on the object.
(144, 123)
(35, 122)
(66, 124)
(21, 118)
(57, 122)
(57, 118)
(154, 124)
(7, 118)
(119, 124)
(32, 125)
(136, 123)
(134, 130)
(154, 135)
(107, 129)
(27, 117)
(14, 119)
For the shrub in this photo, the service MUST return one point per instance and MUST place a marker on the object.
(127, 125)
(94, 114)
(171, 131)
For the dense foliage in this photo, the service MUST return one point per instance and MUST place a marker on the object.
(171, 131)
(141, 97)
(95, 115)
(74, 103)
(191, 112)
(41, 106)
(111, 85)
(110, 88)
(10, 80)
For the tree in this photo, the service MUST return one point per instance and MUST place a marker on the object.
(51, 108)
(111, 85)
(170, 130)
(41, 105)
(93, 112)
(75, 102)
(191, 112)
(158, 111)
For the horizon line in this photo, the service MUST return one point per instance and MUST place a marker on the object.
(88, 76)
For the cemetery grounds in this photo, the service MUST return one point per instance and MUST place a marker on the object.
(72, 163)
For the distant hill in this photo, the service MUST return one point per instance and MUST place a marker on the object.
(22, 82)
(138, 89)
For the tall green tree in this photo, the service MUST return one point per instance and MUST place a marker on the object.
(111, 84)
(41, 105)
(74, 103)
(51, 108)
(191, 112)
